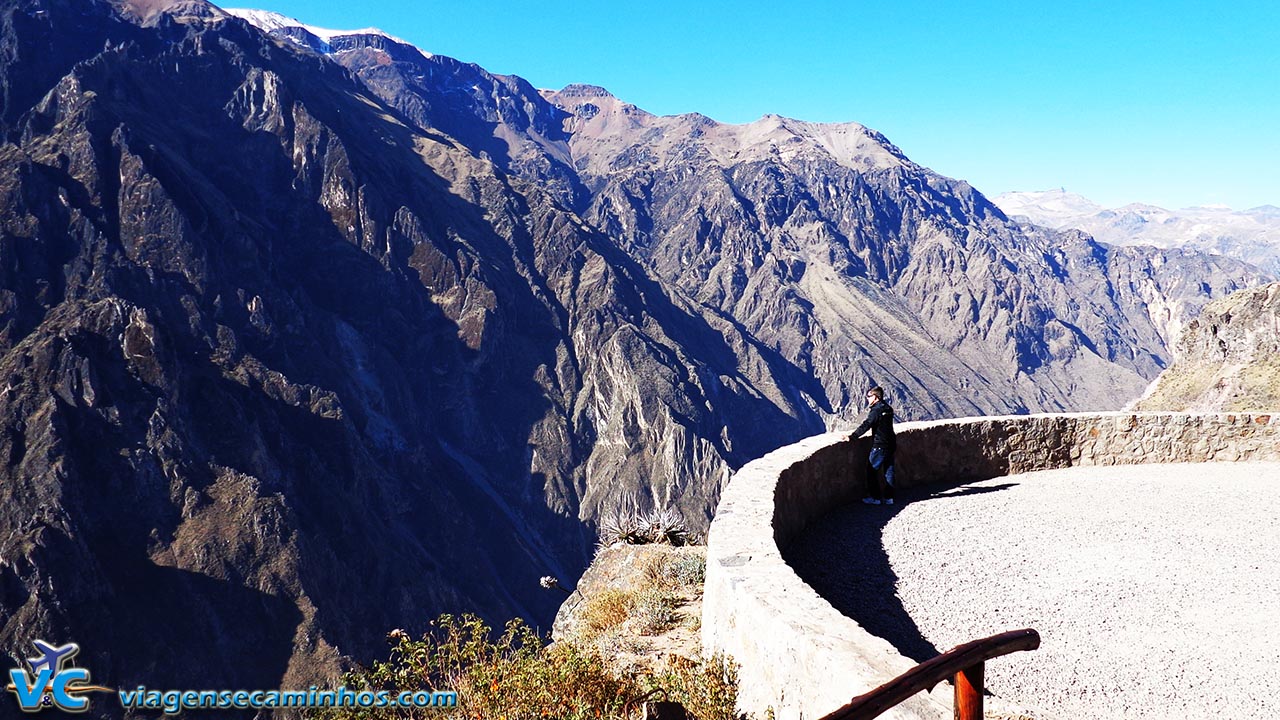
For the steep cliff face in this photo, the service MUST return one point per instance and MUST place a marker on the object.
(1227, 359)
(285, 370)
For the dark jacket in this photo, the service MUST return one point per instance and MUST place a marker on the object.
(880, 422)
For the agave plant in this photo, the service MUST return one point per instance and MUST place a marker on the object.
(666, 526)
(630, 525)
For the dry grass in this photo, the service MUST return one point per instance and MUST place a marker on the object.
(631, 638)
(516, 676)
(650, 607)
(1220, 387)
(654, 611)
(607, 609)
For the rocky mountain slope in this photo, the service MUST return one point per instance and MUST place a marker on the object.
(825, 242)
(1227, 359)
(285, 370)
(1251, 235)
(861, 266)
(306, 337)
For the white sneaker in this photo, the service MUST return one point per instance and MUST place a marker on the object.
(888, 501)
(870, 501)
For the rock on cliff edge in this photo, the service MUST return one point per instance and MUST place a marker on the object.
(1227, 359)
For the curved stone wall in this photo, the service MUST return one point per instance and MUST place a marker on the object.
(801, 657)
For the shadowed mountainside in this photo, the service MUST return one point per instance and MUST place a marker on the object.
(285, 371)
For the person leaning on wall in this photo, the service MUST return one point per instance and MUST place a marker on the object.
(883, 444)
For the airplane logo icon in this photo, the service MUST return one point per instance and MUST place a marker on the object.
(51, 683)
(53, 657)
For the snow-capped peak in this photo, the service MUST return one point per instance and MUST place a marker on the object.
(1057, 204)
(1252, 236)
(267, 21)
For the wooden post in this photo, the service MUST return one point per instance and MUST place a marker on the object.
(968, 683)
(962, 663)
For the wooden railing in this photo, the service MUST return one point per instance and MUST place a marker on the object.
(965, 663)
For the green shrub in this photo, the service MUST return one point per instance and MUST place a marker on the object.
(514, 676)
(653, 611)
(707, 689)
(676, 571)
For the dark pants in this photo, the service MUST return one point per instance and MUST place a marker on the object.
(880, 473)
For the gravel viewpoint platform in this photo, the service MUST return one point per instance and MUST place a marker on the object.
(1155, 588)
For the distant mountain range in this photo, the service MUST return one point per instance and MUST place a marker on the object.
(311, 334)
(1251, 235)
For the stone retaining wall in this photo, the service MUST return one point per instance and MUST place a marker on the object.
(799, 655)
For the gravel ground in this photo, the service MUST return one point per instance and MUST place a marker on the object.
(1155, 588)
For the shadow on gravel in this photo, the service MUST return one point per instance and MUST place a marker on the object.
(842, 557)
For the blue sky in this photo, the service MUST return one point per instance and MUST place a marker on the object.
(1173, 103)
